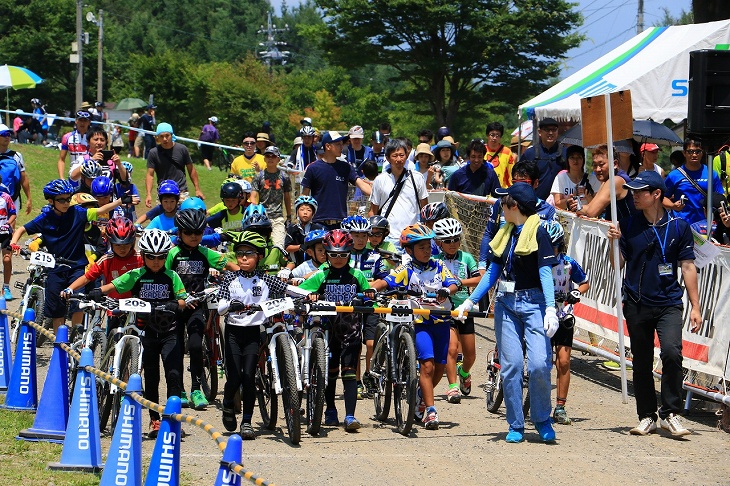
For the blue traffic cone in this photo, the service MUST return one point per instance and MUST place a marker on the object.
(82, 446)
(165, 463)
(232, 453)
(6, 357)
(52, 416)
(124, 462)
(23, 388)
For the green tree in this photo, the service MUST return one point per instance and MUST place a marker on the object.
(454, 54)
(684, 18)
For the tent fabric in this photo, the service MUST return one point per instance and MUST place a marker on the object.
(654, 65)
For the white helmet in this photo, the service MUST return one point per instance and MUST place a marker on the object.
(447, 228)
(155, 241)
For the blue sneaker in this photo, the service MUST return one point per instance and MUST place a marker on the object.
(515, 436)
(184, 403)
(6, 293)
(351, 423)
(545, 429)
(330, 417)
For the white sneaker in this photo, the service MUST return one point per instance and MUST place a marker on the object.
(674, 425)
(645, 427)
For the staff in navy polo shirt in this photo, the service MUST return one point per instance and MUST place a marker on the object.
(326, 180)
(654, 244)
(476, 177)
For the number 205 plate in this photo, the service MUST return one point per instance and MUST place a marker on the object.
(135, 305)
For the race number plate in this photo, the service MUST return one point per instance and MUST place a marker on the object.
(135, 305)
(399, 304)
(276, 306)
(42, 259)
(317, 312)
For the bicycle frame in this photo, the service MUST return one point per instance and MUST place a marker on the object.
(119, 345)
(312, 330)
(29, 287)
(273, 332)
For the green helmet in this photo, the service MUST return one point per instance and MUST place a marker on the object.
(249, 238)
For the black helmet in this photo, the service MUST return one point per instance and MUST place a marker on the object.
(190, 219)
(256, 221)
(231, 190)
(380, 222)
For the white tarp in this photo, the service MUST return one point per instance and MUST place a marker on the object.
(654, 65)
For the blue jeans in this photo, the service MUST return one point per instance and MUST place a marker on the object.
(518, 317)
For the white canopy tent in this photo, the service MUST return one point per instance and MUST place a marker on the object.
(654, 65)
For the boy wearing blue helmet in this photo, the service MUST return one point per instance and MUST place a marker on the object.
(169, 195)
(305, 207)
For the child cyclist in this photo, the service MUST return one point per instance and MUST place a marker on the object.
(314, 249)
(231, 218)
(464, 267)
(275, 260)
(305, 207)
(566, 273)
(245, 187)
(192, 263)
(425, 274)
(160, 287)
(169, 195)
(430, 213)
(62, 228)
(242, 336)
(339, 282)
(7, 223)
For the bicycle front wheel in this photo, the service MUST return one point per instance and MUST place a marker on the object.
(315, 392)
(290, 398)
(209, 376)
(128, 365)
(380, 373)
(268, 401)
(495, 393)
(98, 347)
(36, 301)
(405, 387)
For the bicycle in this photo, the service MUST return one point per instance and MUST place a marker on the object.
(393, 366)
(212, 343)
(222, 159)
(34, 290)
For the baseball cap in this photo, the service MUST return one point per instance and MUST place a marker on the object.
(272, 150)
(356, 132)
(164, 128)
(649, 147)
(331, 136)
(548, 122)
(151, 107)
(4, 128)
(648, 179)
(522, 192)
(213, 119)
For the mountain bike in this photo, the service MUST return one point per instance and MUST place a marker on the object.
(212, 343)
(222, 159)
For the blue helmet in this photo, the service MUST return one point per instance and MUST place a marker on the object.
(193, 203)
(128, 166)
(256, 221)
(313, 237)
(253, 209)
(168, 187)
(57, 187)
(305, 200)
(102, 186)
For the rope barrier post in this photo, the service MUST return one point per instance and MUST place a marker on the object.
(23, 388)
(52, 416)
(124, 462)
(232, 454)
(82, 446)
(6, 357)
(165, 464)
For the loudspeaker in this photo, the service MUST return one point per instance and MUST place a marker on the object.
(708, 114)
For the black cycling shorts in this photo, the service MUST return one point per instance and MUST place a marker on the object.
(465, 327)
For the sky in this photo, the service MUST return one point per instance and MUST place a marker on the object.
(607, 24)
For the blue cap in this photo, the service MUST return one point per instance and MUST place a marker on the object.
(522, 192)
(648, 179)
(332, 136)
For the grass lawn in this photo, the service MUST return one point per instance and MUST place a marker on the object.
(40, 163)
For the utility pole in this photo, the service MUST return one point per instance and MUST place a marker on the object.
(80, 43)
(272, 54)
(640, 18)
(99, 22)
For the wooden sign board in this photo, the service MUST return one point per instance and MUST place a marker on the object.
(593, 118)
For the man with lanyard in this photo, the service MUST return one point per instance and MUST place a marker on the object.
(326, 180)
(499, 156)
(148, 122)
(398, 194)
(6, 153)
(378, 149)
(75, 143)
(357, 153)
(653, 246)
(169, 160)
(548, 154)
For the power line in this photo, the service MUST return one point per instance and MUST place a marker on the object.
(604, 43)
(604, 16)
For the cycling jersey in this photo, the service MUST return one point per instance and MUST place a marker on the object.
(304, 269)
(462, 266)
(63, 235)
(336, 284)
(274, 260)
(566, 271)
(76, 144)
(193, 265)
(111, 266)
(226, 221)
(364, 260)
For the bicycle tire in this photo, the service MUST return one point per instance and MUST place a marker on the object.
(290, 398)
(494, 390)
(209, 376)
(404, 405)
(128, 365)
(379, 368)
(36, 301)
(315, 391)
(105, 405)
(267, 399)
(98, 347)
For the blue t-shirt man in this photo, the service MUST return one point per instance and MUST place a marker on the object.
(550, 161)
(694, 209)
(481, 182)
(328, 185)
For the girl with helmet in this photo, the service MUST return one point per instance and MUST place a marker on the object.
(339, 282)
(425, 274)
(8, 215)
(241, 334)
(464, 267)
(314, 248)
(169, 195)
(522, 257)
(162, 288)
(62, 229)
(193, 263)
(276, 260)
(305, 208)
(231, 217)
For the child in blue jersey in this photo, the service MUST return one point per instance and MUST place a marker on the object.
(317, 256)
(565, 274)
(425, 274)
(463, 266)
(169, 196)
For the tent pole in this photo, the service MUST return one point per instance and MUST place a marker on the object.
(615, 250)
(7, 107)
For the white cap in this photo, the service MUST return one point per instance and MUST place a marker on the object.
(4, 128)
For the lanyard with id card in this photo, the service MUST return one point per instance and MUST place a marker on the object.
(664, 268)
(506, 286)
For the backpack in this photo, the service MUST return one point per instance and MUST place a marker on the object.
(10, 173)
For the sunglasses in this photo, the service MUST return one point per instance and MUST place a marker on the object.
(694, 151)
(193, 232)
(63, 200)
(249, 143)
(333, 254)
(378, 235)
(83, 114)
(155, 256)
(246, 253)
(450, 240)
(5, 133)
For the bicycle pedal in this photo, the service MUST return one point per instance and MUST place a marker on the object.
(19, 285)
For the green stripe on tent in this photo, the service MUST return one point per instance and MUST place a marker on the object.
(621, 59)
(722, 47)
